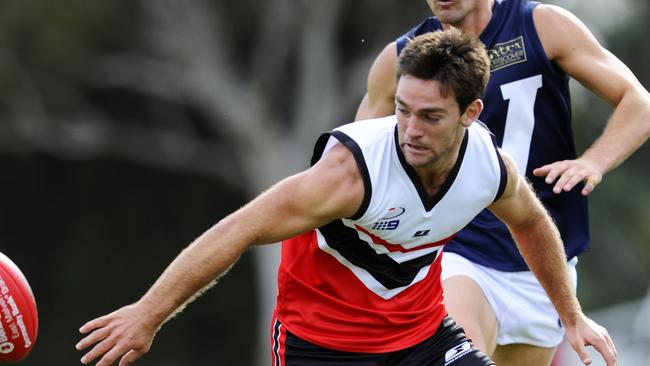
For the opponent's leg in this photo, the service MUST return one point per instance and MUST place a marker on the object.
(467, 305)
(522, 354)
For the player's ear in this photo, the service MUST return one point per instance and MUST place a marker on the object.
(471, 113)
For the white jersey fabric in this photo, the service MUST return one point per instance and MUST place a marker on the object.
(370, 283)
(399, 209)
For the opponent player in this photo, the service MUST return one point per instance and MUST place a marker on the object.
(532, 48)
(363, 230)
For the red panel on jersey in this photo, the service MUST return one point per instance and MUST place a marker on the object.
(323, 302)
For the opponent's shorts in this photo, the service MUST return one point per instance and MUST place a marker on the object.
(523, 311)
(447, 347)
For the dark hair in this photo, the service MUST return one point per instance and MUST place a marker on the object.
(456, 59)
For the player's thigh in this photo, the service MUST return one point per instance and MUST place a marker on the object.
(522, 354)
(468, 306)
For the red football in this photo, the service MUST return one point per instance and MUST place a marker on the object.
(18, 314)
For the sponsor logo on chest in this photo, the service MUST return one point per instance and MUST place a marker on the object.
(507, 53)
(389, 221)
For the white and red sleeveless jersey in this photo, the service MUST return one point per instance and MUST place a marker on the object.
(370, 283)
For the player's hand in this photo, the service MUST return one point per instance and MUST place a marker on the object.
(568, 173)
(588, 333)
(126, 333)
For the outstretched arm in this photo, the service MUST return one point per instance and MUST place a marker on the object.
(379, 100)
(293, 206)
(568, 43)
(540, 244)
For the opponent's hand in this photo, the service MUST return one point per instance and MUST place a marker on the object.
(588, 333)
(568, 173)
(126, 333)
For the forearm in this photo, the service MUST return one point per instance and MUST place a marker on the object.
(541, 246)
(293, 206)
(627, 129)
(288, 208)
(193, 270)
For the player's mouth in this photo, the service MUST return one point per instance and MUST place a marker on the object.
(415, 149)
(445, 5)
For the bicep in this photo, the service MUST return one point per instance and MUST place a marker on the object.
(518, 206)
(570, 44)
(379, 100)
(331, 189)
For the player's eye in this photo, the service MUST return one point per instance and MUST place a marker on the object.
(401, 110)
(431, 118)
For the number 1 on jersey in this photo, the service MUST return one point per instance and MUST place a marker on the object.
(520, 121)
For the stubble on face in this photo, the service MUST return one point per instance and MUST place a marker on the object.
(421, 155)
(452, 12)
(425, 143)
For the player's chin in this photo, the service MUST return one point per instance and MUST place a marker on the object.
(418, 160)
(446, 12)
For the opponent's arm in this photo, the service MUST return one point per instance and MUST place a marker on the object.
(331, 189)
(541, 246)
(379, 100)
(568, 43)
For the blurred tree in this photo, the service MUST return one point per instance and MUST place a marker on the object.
(235, 92)
(198, 106)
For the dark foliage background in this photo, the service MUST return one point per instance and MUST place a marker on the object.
(129, 127)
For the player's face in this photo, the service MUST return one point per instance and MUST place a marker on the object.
(454, 12)
(429, 125)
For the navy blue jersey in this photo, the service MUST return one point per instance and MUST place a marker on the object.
(527, 107)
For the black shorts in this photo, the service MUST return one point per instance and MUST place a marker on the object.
(447, 347)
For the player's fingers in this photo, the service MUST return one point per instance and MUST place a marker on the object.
(552, 175)
(99, 349)
(572, 182)
(581, 350)
(607, 353)
(130, 357)
(92, 338)
(605, 347)
(93, 324)
(564, 179)
(111, 356)
(542, 170)
(590, 185)
(551, 171)
(612, 346)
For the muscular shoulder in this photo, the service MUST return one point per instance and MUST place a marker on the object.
(338, 177)
(560, 31)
